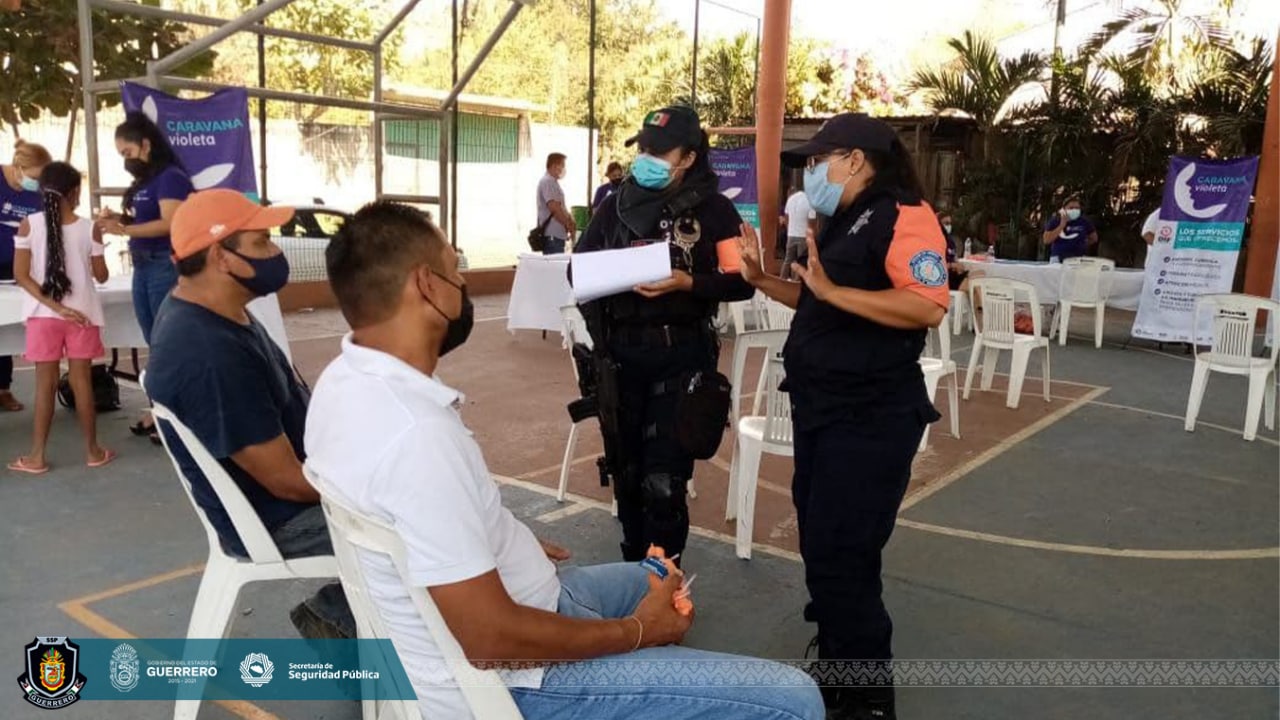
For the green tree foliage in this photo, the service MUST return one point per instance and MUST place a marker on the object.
(40, 55)
(643, 61)
(1165, 35)
(1120, 115)
(979, 82)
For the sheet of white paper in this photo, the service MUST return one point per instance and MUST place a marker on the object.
(607, 272)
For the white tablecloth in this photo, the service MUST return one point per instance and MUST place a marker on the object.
(540, 289)
(1126, 285)
(121, 325)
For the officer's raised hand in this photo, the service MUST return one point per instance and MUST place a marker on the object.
(679, 280)
(749, 249)
(813, 275)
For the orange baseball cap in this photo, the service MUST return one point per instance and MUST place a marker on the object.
(209, 216)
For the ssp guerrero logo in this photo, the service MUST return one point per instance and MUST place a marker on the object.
(53, 678)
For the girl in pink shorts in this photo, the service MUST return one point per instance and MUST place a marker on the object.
(57, 257)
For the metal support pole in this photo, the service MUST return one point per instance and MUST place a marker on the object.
(453, 128)
(154, 11)
(483, 53)
(591, 104)
(697, 20)
(377, 123)
(262, 116)
(388, 109)
(445, 193)
(195, 47)
(382, 36)
(84, 15)
(773, 83)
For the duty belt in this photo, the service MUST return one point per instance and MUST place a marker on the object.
(659, 335)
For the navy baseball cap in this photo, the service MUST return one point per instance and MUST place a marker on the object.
(846, 131)
(669, 128)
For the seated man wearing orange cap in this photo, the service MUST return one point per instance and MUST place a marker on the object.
(221, 374)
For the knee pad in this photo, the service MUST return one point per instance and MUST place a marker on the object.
(661, 488)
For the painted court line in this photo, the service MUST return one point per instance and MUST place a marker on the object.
(999, 448)
(607, 507)
(564, 512)
(79, 611)
(1242, 554)
(1182, 418)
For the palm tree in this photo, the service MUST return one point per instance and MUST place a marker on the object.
(1231, 97)
(1163, 34)
(979, 83)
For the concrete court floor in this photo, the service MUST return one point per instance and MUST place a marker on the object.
(1089, 528)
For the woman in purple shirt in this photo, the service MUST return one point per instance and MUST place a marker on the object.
(19, 197)
(160, 185)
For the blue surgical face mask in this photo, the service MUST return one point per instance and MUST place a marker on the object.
(823, 195)
(1073, 214)
(651, 172)
(29, 184)
(269, 273)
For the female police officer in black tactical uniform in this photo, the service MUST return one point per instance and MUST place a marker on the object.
(662, 332)
(875, 281)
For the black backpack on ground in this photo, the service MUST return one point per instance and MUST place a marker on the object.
(106, 391)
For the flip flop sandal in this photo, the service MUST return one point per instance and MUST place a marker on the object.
(107, 456)
(20, 465)
(9, 403)
(140, 428)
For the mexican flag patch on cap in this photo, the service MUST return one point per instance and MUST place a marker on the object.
(658, 119)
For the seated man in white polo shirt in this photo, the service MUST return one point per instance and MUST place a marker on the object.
(387, 436)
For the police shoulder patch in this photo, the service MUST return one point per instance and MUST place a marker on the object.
(928, 269)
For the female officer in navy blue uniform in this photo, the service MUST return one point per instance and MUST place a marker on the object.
(871, 285)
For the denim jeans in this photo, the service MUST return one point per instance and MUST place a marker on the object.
(553, 246)
(307, 535)
(154, 275)
(660, 683)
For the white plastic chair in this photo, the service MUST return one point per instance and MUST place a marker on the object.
(960, 308)
(1086, 283)
(485, 693)
(771, 341)
(749, 313)
(225, 574)
(771, 434)
(575, 332)
(996, 333)
(942, 366)
(1234, 318)
(777, 315)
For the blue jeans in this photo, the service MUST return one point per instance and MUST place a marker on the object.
(154, 275)
(553, 246)
(660, 683)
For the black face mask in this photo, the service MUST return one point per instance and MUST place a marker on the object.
(136, 167)
(616, 182)
(459, 328)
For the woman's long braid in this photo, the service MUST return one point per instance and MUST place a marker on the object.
(56, 283)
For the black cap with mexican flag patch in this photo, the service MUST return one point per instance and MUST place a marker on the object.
(668, 128)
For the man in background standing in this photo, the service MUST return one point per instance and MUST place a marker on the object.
(553, 217)
(800, 218)
(613, 180)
